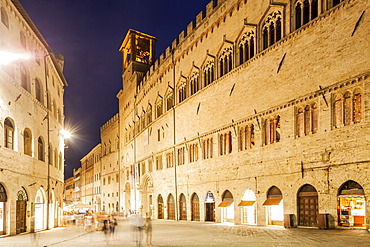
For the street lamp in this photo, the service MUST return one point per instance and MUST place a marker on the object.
(65, 134)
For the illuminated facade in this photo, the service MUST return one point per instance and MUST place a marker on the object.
(32, 118)
(256, 114)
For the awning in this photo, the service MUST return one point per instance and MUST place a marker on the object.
(246, 203)
(272, 201)
(225, 204)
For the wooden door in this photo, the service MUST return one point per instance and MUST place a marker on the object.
(183, 215)
(210, 213)
(308, 209)
(171, 211)
(195, 216)
(21, 216)
(160, 211)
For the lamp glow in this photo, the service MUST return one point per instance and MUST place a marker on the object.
(8, 57)
(65, 134)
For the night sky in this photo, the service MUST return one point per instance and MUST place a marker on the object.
(89, 33)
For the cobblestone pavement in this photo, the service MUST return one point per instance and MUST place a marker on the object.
(171, 233)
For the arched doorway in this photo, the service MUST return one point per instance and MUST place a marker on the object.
(170, 207)
(195, 215)
(248, 207)
(182, 204)
(210, 207)
(274, 207)
(21, 208)
(40, 210)
(3, 200)
(351, 205)
(160, 207)
(227, 207)
(146, 196)
(127, 198)
(308, 208)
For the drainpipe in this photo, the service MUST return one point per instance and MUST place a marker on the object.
(48, 144)
(174, 133)
(134, 158)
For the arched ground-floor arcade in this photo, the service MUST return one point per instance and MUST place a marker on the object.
(289, 200)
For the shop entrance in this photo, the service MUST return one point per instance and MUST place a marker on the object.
(227, 207)
(248, 207)
(195, 215)
(274, 207)
(3, 200)
(308, 208)
(351, 205)
(183, 214)
(40, 207)
(160, 207)
(21, 207)
(171, 207)
(210, 207)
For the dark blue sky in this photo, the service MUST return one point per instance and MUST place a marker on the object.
(89, 33)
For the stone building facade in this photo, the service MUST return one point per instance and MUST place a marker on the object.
(89, 179)
(68, 191)
(257, 113)
(109, 136)
(32, 119)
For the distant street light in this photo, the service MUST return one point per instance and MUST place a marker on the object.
(8, 57)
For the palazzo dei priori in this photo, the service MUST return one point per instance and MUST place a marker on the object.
(257, 113)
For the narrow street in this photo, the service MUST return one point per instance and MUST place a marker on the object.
(170, 233)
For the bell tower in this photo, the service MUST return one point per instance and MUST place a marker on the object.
(137, 56)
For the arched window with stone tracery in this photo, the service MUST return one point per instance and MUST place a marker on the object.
(226, 61)
(305, 11)
(246, 47)
(272, 29)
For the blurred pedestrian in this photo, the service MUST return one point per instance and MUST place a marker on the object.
(137, 224)
(112, 226)
(148, 231)
(105, 230)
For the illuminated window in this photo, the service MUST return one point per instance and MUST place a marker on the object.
(149, 114)
(38, 90)
(27, 142)
(272, 130)
(158, 162)
(194, 83)
(246, 47)
(41, 149)
(208, 73)
(272, 29)
(226, 61)
(182, 92)
(347, 108)
(159, 107)
(8, 133)
(181, 156)
(169, 100)
(305, 11)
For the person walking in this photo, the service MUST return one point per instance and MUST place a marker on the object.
(105, 230)
(112, 226)
(148, 231)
